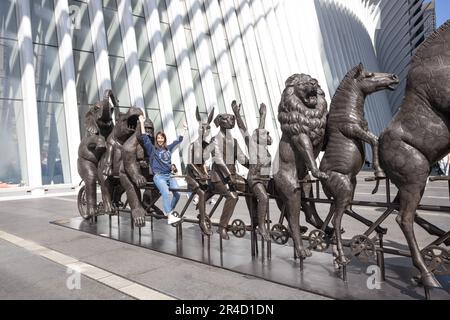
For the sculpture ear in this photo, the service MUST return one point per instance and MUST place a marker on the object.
(217, 120)
(211, 116)
(359, 70)
(197, 115)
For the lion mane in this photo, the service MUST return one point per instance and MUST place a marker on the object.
(295, 117)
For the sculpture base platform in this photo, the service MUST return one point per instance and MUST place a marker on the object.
(318, 276)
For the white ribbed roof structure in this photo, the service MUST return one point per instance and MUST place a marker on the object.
(169, 56)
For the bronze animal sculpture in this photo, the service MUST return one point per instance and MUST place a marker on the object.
(225, 152)
(347, 130)
(418, 135)
(135, 173)
(125, 127)
(196, 171)
(99, 125)
(302, 114)
(260, 163)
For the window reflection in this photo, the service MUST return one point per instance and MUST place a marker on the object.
(13, 162)
(55, 164)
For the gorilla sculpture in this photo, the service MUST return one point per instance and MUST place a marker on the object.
(135, 173)
(302, 114)
(125, 127)
(99, 125)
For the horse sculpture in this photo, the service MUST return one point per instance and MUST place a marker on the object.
(196, 172)
(346, 132)
(419, 135)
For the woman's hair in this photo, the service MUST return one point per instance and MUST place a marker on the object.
(162, 134)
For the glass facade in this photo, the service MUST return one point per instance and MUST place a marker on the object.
(83, 59)
(13, 165)
(54, 155)
(108, 51)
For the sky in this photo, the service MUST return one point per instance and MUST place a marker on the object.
(442, 11)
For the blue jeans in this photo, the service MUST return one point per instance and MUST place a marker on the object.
(163, 182)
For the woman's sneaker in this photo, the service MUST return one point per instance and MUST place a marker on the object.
(171, 219)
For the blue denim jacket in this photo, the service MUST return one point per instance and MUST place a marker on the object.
(160, 158)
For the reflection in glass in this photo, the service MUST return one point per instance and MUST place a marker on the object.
(55, 164)
(81, 39)
(137, 8)
(199, 97)
(119, 80)
(8, 22)
(142, 39)
(86, 84)
(175, 89)
(47, 74)
(10, 83)
(168, 45)
(13, 162)
(43, 22)
(148, 85)
(112, 27)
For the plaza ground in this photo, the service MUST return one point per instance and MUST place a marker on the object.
(35, 255)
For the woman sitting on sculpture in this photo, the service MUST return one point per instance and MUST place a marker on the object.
(160, 159)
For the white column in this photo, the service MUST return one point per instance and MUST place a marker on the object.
(175, 14)
(100, 43)
(239, 62)
(31, 127)
(218, 36)
(214, 17)
(130, 51)
(257, 74)
(201, 48)
(69, 87)
(268, 38)
(153, 28)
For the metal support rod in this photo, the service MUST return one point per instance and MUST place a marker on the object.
(380, 258)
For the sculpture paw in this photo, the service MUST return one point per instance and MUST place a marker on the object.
(223, 233)
(91, 212)
(139, 222)
(140, 181)
(107, 209)
(204, 227)
(342, 260)
(107, 171)
(263, 232)
(303, 253)
(138, 217)
(429, 280)
(320, 175)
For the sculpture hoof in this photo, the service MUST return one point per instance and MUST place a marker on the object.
(380, 174)
(223, 233)
(429, 281)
